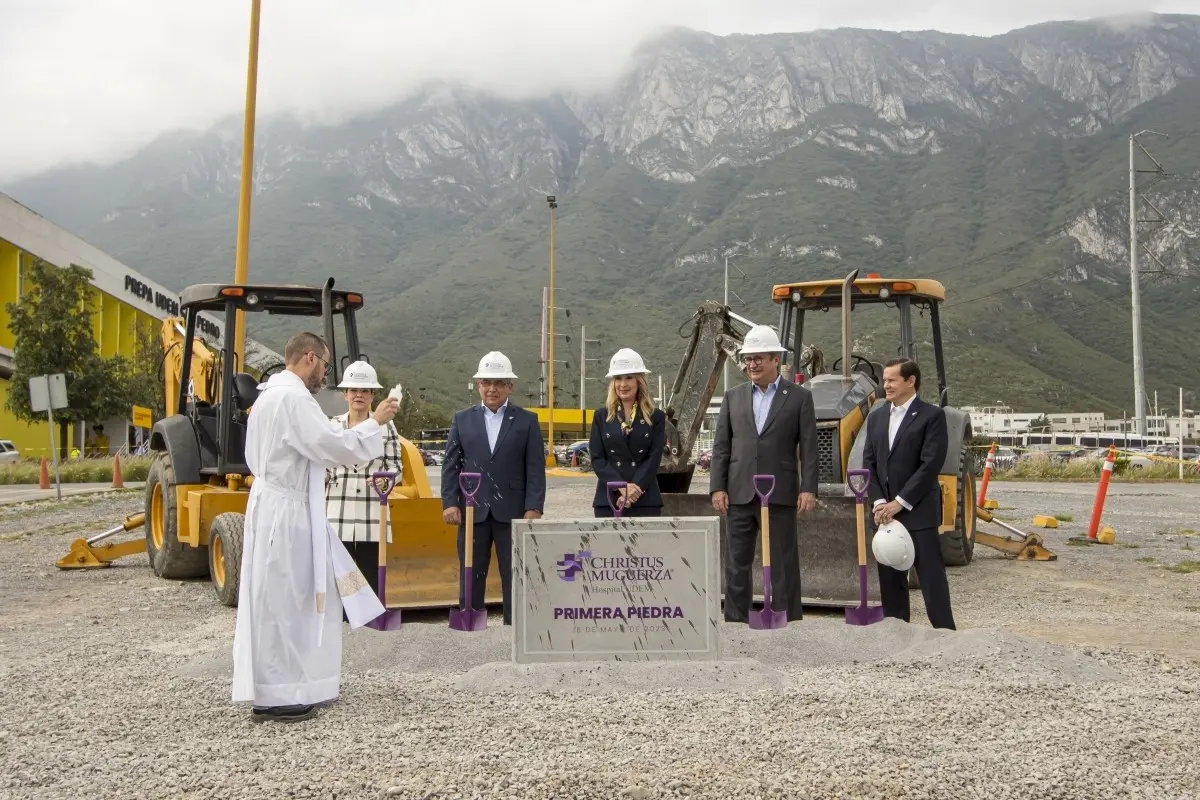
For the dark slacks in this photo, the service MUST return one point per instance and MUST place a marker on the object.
(743, 539)
(635, 511)
(488, 532)
(931, 569)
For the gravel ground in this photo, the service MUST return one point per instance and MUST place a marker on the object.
(1077, 678)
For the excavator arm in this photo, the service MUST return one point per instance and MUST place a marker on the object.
(716, 335)
(205, 373)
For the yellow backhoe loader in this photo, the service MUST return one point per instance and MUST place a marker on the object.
(843, 396)
(198, 482)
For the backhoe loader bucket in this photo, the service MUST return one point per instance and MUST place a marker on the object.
(828, 544)
(828, 538)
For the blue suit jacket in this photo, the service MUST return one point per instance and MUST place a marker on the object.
(633, 459)
(910, 468)
(513, 479)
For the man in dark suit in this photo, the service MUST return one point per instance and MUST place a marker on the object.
(503, 443)
(765, 427)
(905, 449)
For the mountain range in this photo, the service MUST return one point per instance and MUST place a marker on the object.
(997, 165)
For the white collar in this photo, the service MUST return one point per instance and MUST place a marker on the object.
(498, 412)
(772, 385)
(895, 409)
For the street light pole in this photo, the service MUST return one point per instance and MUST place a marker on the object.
(240, 265)
(551, 458)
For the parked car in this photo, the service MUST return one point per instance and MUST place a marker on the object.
(1134, 459)
(8, 452)
(578, 451)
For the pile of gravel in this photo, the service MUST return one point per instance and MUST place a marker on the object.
(751, 660)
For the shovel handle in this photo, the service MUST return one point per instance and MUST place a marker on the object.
(469, 483)
(386, 480)
(382, 483)
(469, 543)
(860, 513)
(858, 480)
(764, 494)
(615, 486)
(764, 523)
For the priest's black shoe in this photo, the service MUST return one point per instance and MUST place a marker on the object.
(283, 713)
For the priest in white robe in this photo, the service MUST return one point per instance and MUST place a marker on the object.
(296, 575)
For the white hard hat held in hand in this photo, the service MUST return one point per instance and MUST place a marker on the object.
(360, 375)
(626, 362)
(761, 339)
(893, 546)
(495, 365)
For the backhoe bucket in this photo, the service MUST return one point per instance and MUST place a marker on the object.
(827, 542)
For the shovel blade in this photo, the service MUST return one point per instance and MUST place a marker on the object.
(767, 619)
(388, 620)
(468, 619)
(864, 615)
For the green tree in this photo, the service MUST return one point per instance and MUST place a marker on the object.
(146, 378)
(52, 325)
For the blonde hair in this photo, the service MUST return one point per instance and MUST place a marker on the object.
(641, 399)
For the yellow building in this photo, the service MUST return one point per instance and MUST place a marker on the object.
(124, 305)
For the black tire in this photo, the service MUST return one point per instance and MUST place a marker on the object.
(958, 546)
(169, 558)
(225, 556)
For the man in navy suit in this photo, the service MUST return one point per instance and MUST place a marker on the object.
(905, 450)
(503, 443)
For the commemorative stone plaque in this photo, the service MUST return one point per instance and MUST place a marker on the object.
(633, 589)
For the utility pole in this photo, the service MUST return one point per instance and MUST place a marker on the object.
(544, 358)
(1139, 378)
(741, 304)
(1180, 453)
(583, 361)
(551, 458)
(241, 253)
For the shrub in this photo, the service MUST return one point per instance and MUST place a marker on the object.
(77, 470)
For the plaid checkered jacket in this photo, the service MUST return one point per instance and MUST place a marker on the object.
(351, 505)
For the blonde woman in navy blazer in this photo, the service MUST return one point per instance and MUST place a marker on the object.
(628, 436)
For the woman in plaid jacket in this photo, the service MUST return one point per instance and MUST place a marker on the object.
(351, 505)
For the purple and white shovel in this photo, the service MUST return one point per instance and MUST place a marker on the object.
(768, 618)
(389, 620)
(862, 614)
(468, 618)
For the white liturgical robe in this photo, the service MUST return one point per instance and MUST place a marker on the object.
(296, 574)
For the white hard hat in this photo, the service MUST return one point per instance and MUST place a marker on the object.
(495, 365)
(762, 339)
(626, 362)
(359, 375)
(893, 547)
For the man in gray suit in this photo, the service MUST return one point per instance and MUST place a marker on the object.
(503, 443)
(765, 428)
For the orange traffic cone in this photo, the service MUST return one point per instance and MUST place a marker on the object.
(44, 477)
(117, 482)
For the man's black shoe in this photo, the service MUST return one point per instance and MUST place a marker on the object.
(283, 713)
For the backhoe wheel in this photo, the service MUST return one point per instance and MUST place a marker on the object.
(169, 558)
(225, 556)
(959, 545)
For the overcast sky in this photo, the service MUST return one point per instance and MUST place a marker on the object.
(95, 79)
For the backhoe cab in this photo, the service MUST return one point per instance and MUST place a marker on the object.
(196, 486)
